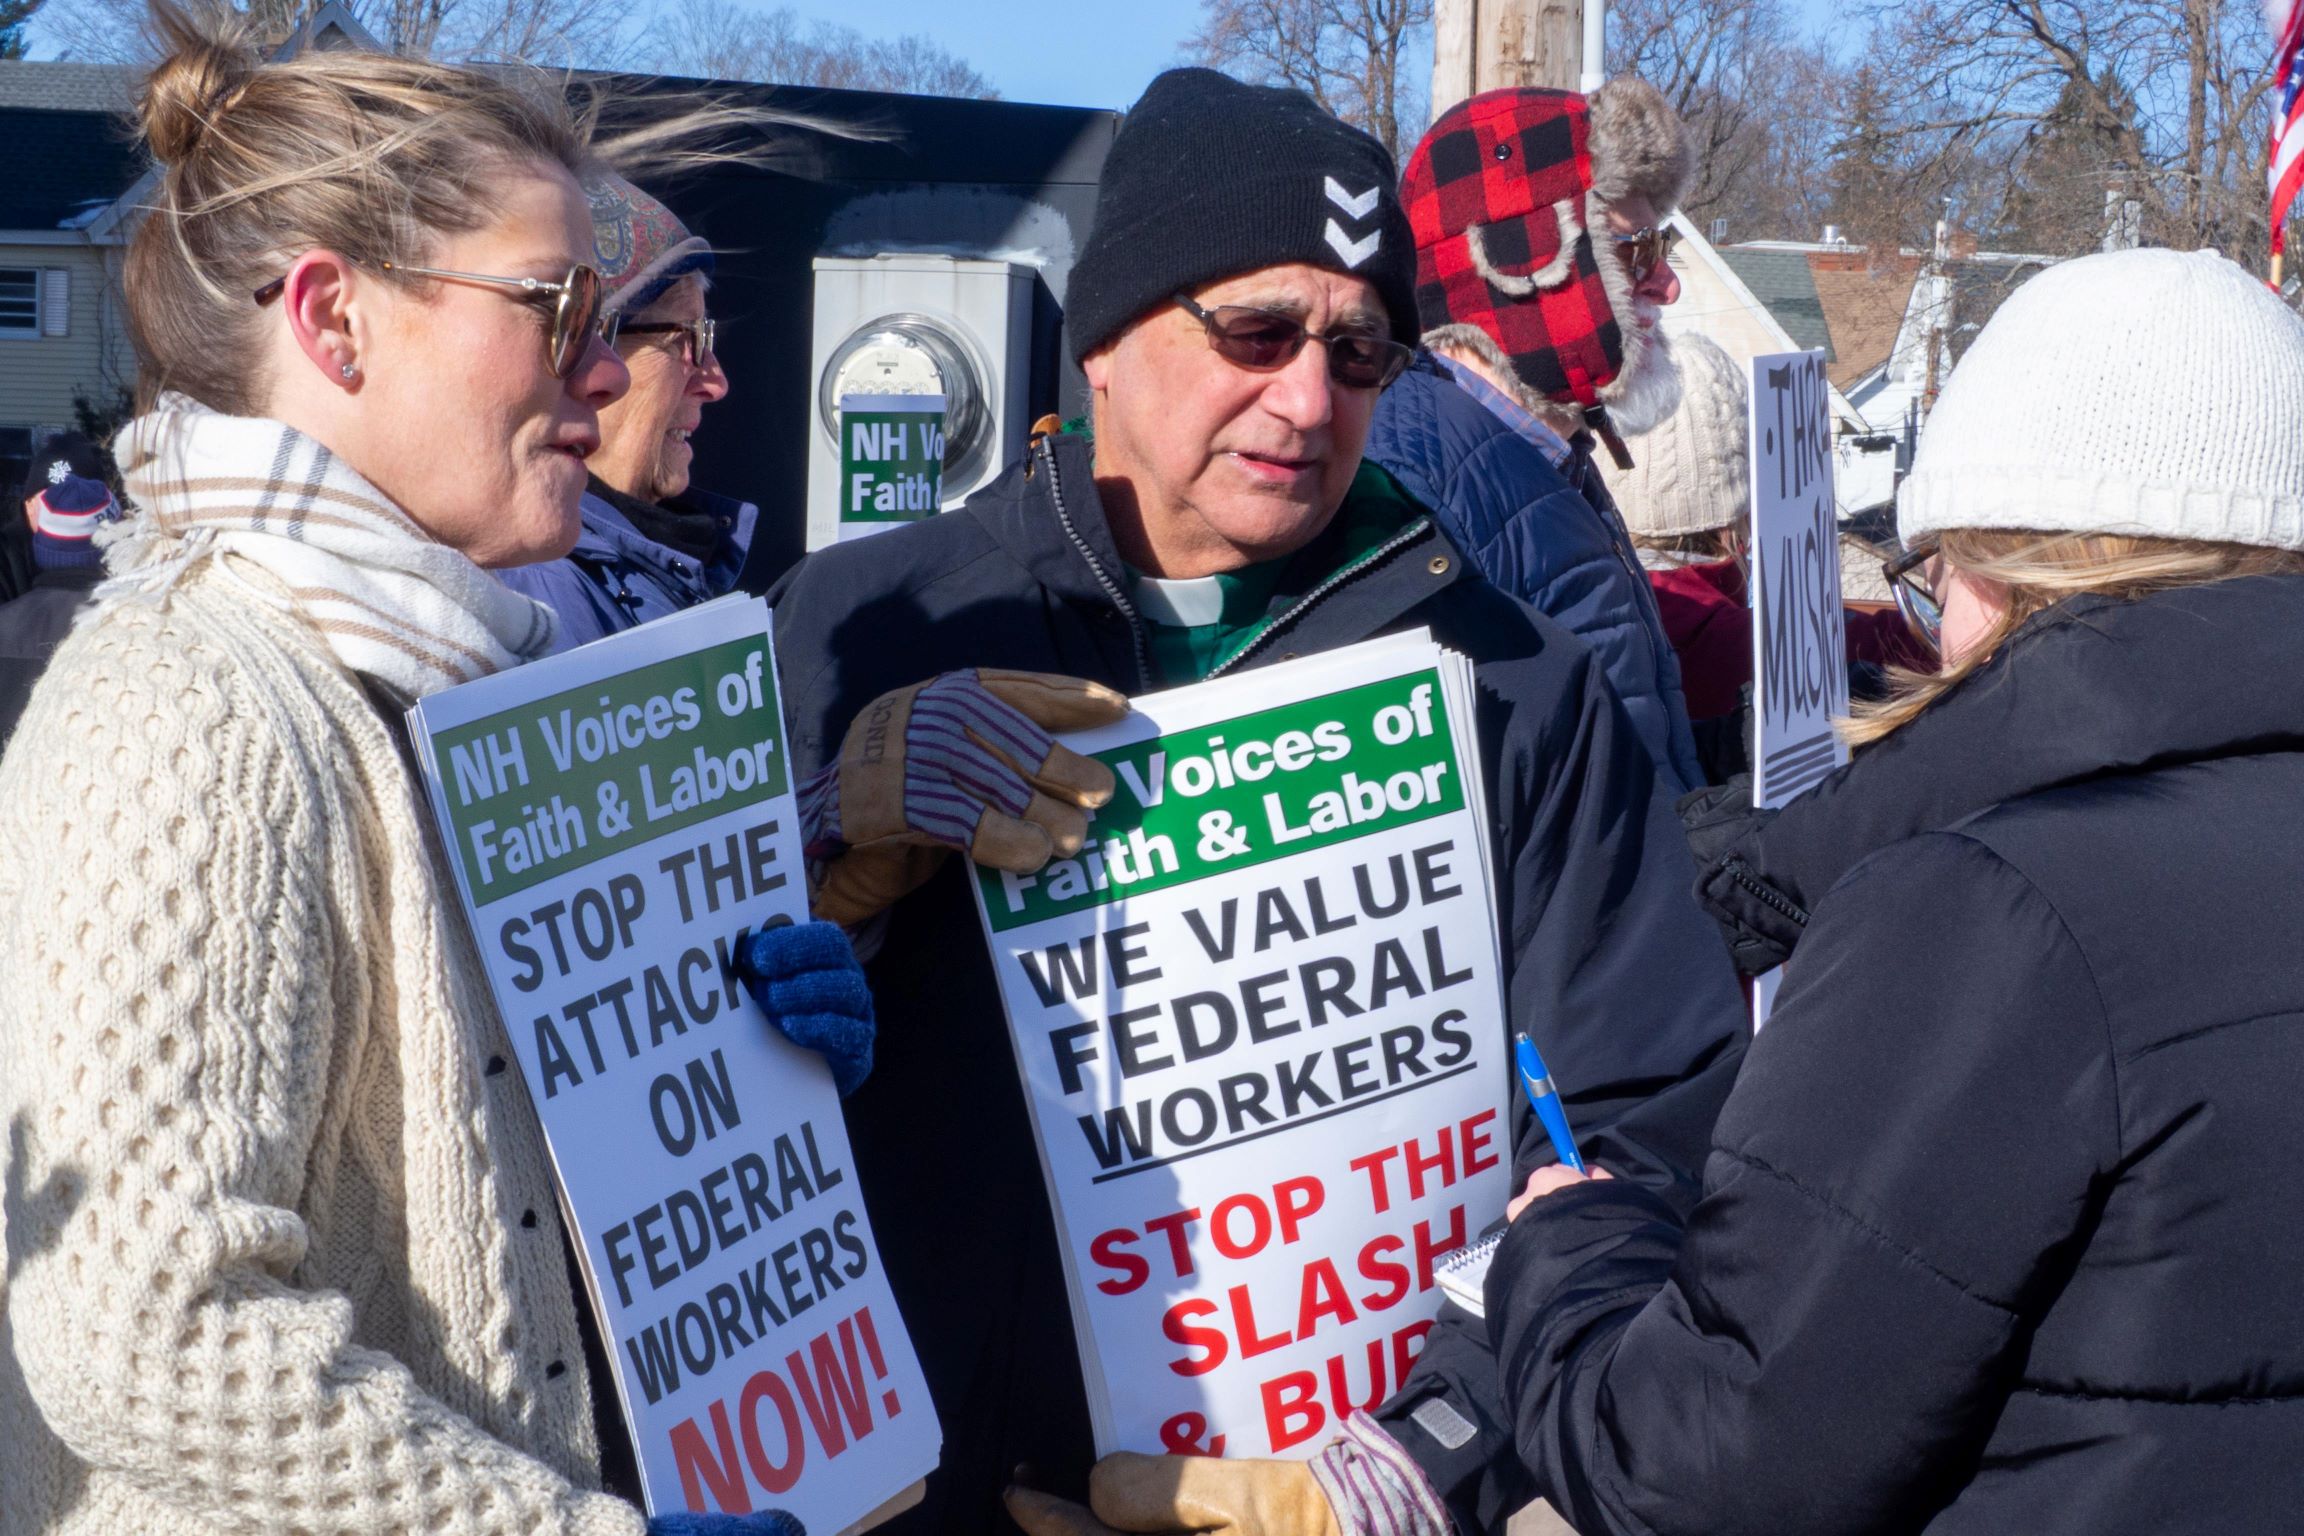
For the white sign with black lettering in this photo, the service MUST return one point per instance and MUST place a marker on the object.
(1261, 1024)
(1799, 630)
(619, 819)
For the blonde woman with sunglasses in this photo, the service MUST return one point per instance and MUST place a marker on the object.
(282, 1251)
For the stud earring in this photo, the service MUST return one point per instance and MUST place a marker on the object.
(350, 371)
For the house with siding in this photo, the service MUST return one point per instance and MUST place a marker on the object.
(65, 157)
(1755, 308)
(73, 185)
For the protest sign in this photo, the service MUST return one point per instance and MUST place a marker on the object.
(1260, 1022)
(1799, 629)
(618, 818)
(891, 461)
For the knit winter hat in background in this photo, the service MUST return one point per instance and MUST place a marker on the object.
(64, 518)
(1210, 178)
(2153, 393)
(1693, 472)
(62, 455)
(1501, 194)
(639, 245)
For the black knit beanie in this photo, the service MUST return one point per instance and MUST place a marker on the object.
(1210, 178)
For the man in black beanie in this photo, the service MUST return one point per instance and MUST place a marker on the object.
(1245, 296)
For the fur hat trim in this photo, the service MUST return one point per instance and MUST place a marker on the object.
(1639, 147)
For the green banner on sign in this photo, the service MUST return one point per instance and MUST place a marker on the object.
(1254, 788)
(571, 778)
(891, 457)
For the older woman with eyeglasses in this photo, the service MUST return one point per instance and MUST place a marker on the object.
(282, 1250)
(651, 544)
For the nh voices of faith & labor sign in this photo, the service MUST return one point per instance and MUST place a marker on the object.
(1260, 1025)
(619, 819)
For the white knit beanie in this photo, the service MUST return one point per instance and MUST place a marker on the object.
(1690, 475)
(2153, 393)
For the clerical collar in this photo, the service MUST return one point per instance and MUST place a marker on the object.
(1189, 602)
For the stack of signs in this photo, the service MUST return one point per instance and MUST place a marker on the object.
(618, 819)
(891, 461)
(1260, 1021)
(1799, 629)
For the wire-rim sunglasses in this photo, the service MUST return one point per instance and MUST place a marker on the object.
(1647, 248)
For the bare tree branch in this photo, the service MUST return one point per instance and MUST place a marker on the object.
(1344, 54)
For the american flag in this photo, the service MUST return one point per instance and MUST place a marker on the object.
(2286, 175)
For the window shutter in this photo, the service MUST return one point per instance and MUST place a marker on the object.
(55, 301)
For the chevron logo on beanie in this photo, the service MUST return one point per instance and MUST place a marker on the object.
(1348, 250)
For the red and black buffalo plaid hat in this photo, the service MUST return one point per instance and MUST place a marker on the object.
(1496, 197)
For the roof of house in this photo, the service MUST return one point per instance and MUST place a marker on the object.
(1979, 288)
(1781, 281)
(1863, 307)
(62, 165)
(46, 85)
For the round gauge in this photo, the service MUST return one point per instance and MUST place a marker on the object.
(907, 354)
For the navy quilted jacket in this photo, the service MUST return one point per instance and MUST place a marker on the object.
(1545, 530)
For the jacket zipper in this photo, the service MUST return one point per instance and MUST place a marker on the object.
(1112, 589)
(1304, 604)
(1744, 875)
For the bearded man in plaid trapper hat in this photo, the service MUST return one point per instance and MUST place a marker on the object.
(1540, 221)
(1537, 217)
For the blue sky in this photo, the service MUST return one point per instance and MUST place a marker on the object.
(1090, 53)
(1087, 53)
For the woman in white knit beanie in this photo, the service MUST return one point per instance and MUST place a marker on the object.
(282, 1248)
(1687, 505)
(1998, 1223)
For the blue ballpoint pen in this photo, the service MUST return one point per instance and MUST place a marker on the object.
(1537, 1084)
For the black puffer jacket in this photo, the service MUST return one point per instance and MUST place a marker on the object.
(2000, 1227)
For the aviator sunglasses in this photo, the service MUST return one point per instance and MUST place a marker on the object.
(571, 304)
(1647, 248)
(1262, 340)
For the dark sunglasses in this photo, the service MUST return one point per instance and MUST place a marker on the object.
(700, 336)
(1915, 599)
(572, 305)
(1261, 340)
(1647, 249)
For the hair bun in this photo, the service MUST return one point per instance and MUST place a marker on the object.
(191, 87)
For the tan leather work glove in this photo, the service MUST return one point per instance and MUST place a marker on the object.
(965, 761)
(1173, 1494)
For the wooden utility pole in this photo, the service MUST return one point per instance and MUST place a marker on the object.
(1487, 45)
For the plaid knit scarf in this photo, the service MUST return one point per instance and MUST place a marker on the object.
(394, 604)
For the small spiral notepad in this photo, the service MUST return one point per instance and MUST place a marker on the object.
(1463, 1275)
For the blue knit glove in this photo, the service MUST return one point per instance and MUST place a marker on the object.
(805, 978)
(768, 1522)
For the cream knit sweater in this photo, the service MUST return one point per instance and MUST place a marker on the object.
(281, 1253)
